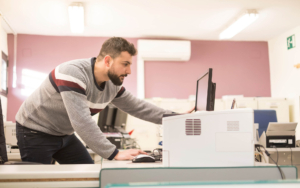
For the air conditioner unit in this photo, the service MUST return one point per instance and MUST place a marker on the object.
(164, 50)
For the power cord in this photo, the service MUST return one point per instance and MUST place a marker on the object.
(269, 155)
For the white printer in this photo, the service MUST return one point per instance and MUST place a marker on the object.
(209, 139)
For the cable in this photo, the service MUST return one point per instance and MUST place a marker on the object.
(269, 155)
(262, 155)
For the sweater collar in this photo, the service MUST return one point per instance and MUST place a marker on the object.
(102, 86)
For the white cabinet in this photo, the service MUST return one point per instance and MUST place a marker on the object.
(246, 102)
(281, 107)
(219, 105)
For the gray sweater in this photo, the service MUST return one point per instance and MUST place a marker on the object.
(67, 99)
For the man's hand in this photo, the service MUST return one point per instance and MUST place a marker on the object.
(128, 154)
(190, 111)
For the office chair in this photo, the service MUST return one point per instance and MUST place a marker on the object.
(263, 118)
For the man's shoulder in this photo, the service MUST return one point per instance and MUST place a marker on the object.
(78, 67)
(76, 64)
(77, 71)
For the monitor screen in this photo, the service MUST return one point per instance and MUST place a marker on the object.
(106, 118)
(205, 92)
(111, 119)
(120, 119)
(202, 85)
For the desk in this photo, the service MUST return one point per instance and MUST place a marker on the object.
(226, 184)
(129, 164)
(132, 173)
(49, 175)
(286, 156)
(63, 175)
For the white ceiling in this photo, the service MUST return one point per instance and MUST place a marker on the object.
(184, 19)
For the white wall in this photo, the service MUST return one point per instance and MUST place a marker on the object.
(285, 78)
(3, 38)
(4, 48)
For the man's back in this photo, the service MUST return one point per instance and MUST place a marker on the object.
(45, 109)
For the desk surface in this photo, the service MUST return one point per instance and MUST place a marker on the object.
(129, 164)
(71, 171)
(67, 176)
(49, 171)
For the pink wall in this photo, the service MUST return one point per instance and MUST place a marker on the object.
(238, 67)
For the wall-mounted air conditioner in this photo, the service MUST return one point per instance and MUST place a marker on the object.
(164, 50)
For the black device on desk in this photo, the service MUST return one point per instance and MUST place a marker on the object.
(143, 159)
(281, 135)
(112, 119)
(111, 122)
(281, 141)
(156, 155)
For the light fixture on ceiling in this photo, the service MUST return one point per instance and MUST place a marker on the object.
(76, 15)
(241, 23)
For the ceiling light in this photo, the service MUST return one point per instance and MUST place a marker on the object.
(76, 15)
(241, 23)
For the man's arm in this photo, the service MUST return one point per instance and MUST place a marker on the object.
(82, 122)
(139, 108)
(70, 82)
(87, 129)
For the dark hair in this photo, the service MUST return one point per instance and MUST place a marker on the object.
(114, 46)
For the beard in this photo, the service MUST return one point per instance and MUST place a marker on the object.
(116, 80)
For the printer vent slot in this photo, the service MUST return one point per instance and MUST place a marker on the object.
(193, 127)
(233, 126)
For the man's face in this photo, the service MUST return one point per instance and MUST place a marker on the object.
(120, 68)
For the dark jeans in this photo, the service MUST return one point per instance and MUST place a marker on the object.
(40, 147)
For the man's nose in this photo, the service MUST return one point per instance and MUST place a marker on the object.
(128, 70)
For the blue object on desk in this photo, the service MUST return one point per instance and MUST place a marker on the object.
(160, 143)
(263, 118)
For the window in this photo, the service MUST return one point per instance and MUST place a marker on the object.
(4, 65)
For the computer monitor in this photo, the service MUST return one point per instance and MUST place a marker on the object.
(120, 119)
(205, 92)
(111, 118)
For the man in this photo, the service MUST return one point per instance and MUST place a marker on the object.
(66, 101)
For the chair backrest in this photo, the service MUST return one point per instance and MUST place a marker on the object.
(3, 152)
(263, 118)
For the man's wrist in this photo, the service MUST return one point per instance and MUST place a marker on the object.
(113, 155)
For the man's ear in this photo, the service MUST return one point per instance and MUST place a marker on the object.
(107, 60)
